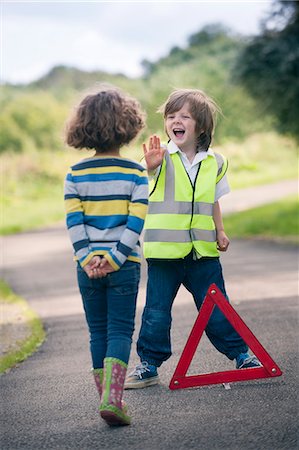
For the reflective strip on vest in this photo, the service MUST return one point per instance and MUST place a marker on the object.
(222, 166)
(176, 225)
(180, 235)
(205, 209)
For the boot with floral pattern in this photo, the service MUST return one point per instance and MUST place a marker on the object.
(111, 409)
(98, 375)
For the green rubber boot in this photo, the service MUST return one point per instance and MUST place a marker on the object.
(111, 408)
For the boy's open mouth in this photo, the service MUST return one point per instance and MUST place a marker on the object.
(178, 132)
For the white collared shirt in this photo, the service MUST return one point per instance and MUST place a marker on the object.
(222, 187)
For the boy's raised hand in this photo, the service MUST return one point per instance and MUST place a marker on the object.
(154, 153)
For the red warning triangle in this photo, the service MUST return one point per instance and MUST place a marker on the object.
(215, 297)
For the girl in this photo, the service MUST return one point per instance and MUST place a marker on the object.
(106, 200)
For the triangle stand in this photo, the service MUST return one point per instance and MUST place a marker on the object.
(269, 368)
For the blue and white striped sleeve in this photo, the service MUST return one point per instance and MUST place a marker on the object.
(75, 222)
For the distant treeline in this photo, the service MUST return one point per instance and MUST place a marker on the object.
(255, 81)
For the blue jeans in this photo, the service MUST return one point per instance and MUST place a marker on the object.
(110, 305)
(164, 280)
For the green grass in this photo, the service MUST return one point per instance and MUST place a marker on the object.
(32, 182)
(261, 159)
(276, 221)
(22, 349)
(32, 189)
(40, 203)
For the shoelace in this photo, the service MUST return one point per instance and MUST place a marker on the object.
(140, 369)
(249, 360)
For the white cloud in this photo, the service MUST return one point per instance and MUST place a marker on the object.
(98, 51)
(111, 36)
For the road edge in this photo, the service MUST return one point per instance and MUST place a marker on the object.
(35, 333)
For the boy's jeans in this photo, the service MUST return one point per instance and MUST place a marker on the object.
(164, 280)
(110, 305)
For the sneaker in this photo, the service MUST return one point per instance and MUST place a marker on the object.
(143, 375)
(247, 361)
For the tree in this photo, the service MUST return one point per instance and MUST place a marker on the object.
(209, 33)
(268, 66)
(31, 120)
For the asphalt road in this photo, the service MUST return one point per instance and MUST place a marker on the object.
(50, 402)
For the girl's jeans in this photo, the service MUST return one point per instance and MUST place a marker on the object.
(164, 280)
(110, 305)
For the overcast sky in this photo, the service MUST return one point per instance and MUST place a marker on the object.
(113, 36)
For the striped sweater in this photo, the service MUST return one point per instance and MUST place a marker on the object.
(106, 202)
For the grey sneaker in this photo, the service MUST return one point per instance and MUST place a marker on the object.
(249, 362)
(143, 375)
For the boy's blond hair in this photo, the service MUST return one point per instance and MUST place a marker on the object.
(202, 109)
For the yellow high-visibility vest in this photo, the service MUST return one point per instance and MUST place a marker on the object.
(180, 215)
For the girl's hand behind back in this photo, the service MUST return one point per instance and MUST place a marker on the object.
(99, 269)
(105, 267)
(92, 267)
(154, 154)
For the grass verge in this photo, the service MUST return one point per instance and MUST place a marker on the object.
(277, 221)
(32, 186)
(34, 336)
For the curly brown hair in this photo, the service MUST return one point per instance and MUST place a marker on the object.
(202, 108)
(105, 121)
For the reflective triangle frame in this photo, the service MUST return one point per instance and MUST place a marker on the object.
(214, 297)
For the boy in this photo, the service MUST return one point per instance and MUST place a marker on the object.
(184, 232)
